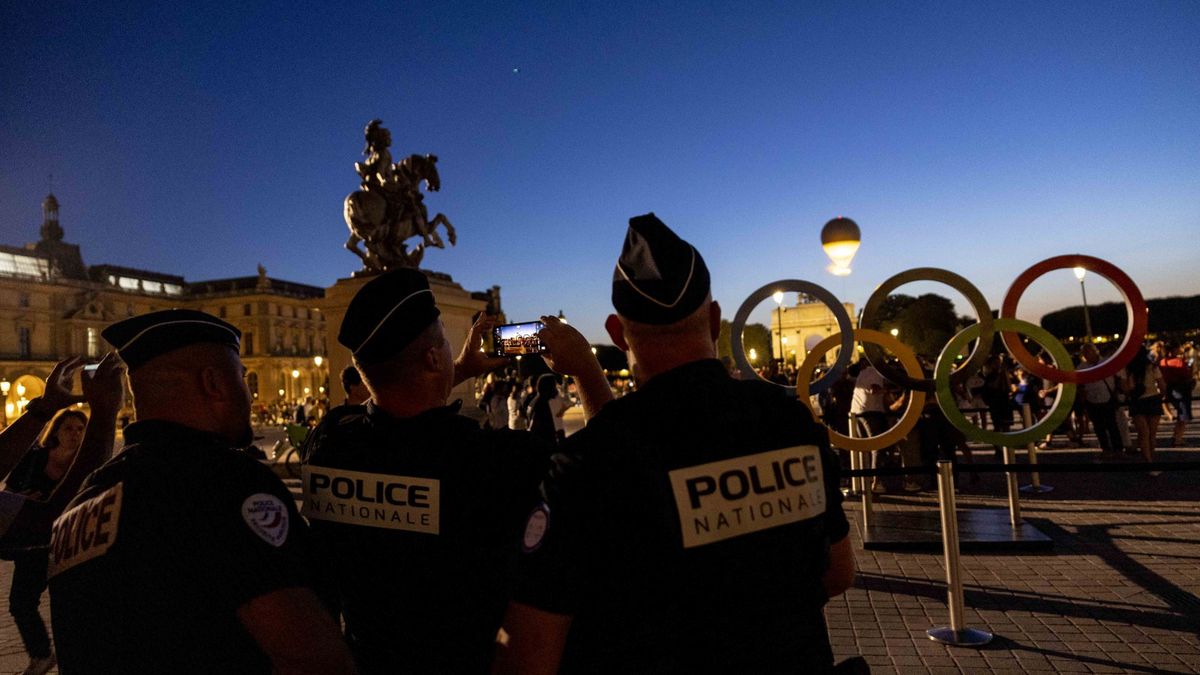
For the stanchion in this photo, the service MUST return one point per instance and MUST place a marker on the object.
(1035, 487)
(1014, 495)
(955, 633)
(868, 493)
(856, 482)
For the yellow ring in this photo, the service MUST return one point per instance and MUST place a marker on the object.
(916, 399)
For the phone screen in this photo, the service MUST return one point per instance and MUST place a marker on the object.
(515, 339)
(90, 369)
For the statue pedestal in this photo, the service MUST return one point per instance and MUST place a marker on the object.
(457, 307)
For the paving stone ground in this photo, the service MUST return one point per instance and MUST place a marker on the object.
(1119, 592)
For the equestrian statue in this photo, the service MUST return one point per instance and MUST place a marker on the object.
(388, 208)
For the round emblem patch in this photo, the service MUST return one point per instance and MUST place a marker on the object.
(266, 516)
(535, 528)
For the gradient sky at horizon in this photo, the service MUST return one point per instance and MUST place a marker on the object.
(204, 139)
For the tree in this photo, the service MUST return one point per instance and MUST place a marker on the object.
(756, 336)
(924, 323)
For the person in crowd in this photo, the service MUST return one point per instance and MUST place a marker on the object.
(869, 406)
(996, 393)
(516, 414)
(1100, 401)
(643, 556)
(183, 554)
(547, 410)
(45, 479)
(36, 477)
(497, 406)
(352, 384)
(420, 552)
(1144, 385)
(1177, 376)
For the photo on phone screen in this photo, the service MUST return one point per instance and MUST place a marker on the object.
(515, 339)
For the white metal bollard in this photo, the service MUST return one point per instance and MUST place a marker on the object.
(954, 634)
(1014, 495)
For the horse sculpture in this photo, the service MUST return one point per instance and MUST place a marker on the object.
(389, 208)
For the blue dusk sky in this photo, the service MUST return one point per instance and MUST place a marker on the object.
(201, 139)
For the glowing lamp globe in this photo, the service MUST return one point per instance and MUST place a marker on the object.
(840, 238)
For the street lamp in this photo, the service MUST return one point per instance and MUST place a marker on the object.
(1080, 273)
(753, 355)
(895, 332)
(840, 238)
(783, 345)
(317, 361)
(778, 298)
(295, 374)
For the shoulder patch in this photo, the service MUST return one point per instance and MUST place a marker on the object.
(535, 528)
(87, 531)
(740, 495)
(266, 515)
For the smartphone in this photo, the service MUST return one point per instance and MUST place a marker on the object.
(516, 339)
(90, 370)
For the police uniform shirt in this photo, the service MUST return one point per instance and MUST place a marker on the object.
(417, 519)
(152, 559)
(687, 529)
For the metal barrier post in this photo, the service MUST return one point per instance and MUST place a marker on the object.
(1014, 495)
(855, 458)
(867, 493)
(1036, 486)
(955, 633)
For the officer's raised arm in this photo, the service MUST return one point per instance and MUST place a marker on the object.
(570, 354)
(471, 361)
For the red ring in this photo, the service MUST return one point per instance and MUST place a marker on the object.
(1135, 330)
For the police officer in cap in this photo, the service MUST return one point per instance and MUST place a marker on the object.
(696, 524)
(417, 509)
(183, 554)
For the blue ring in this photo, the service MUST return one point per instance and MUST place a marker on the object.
(798, 286)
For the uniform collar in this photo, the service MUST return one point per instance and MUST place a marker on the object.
(158, 431)
(704, 369)
(379, 415)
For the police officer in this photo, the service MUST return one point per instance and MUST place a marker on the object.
(416, 508)
(696, 524)
(183, 554)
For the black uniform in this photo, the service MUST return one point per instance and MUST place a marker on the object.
(687, 529)
(153, 557)
(417, 520)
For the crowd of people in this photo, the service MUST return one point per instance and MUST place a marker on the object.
(1123, 410)
(695, 524)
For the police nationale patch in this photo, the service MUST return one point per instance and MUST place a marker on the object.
(535, 528)
(267, 516)
(747, 494)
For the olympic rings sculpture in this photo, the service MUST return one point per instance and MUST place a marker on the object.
(945, 375)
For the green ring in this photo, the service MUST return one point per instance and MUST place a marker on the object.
(1012, 439)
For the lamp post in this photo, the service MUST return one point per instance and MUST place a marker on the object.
(778, 298)
(1080, 273)
(782, 346)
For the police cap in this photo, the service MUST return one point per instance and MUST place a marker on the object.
(659, 279)
(386, 314)
(141, 338)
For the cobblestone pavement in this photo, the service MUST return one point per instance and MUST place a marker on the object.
(1118, 592)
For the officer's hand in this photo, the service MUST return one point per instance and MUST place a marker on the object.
(58, 385)
(569, 352)
(473, 362)
(105, 389)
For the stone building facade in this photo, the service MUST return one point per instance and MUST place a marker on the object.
(797, 329)
(52, 306)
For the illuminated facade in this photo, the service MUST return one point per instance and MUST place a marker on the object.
(797, 329)
(53, 306)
